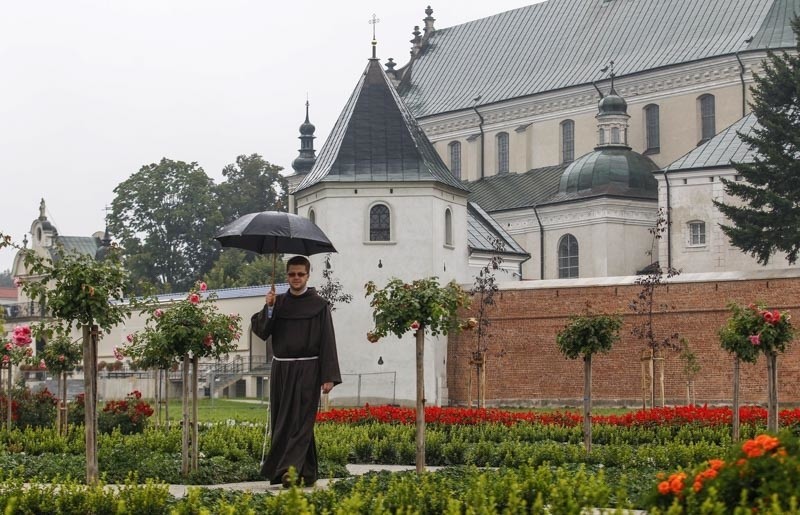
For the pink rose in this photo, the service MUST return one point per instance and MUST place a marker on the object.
(9, 346)
(157, 313)
(203, 286)
(755, 339)
(414, 325)
(194, 298)
(118, 354)
(768, 317)
(42, 364)
(129, 338)
(776, 316)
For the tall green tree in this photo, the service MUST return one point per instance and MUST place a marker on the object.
(6, 279)
(767, 218)
(165, 216)
(236, 267)
(251, 185)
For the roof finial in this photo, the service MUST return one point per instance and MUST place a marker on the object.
(307, 108)
(374, 21)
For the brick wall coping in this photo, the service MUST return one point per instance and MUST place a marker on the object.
(784, 273)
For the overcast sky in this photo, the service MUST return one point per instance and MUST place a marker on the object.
(92, 90)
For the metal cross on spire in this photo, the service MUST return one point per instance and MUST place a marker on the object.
(374, 21)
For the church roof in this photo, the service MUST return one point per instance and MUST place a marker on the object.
(562, 43)
(376, 139)
(720, 150)
(482, 229)
(77, 245)
(516, 190)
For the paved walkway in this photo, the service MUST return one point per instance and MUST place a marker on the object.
(264, 486)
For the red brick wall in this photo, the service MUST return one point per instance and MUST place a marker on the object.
(532, 371)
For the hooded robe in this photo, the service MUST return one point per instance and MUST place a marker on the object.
(301, 327)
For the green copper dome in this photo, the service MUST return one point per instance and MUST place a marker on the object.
(612, 104)
(616, 171)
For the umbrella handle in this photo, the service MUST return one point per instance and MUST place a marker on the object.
(274, 258)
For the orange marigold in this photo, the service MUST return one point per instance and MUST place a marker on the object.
(663, 488)
(716, 464)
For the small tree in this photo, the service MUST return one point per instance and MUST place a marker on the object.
(187, 331)
(691, 367)
(89, 294)
(584, 336)
(484, 289)
(13, 352)
(419, 306)
(61, 355)
(332, 290)
(749, 332)
(645, 307)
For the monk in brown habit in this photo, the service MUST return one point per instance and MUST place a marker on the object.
(304, 364)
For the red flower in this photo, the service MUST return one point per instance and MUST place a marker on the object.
(755, 339)
(194, 298)
(203, 286)
(414, 325)
(769, 317)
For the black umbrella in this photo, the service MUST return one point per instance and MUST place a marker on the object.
(275, 232)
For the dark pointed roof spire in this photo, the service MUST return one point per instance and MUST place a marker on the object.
(376, 139)
(305, 160)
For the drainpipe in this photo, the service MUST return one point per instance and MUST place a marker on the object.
(541, 244)
(741, 78)
(669, 223)
(480, 127)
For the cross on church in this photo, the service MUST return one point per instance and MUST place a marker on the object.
(375, 20)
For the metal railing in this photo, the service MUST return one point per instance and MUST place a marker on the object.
(370, 385)
(23, 310)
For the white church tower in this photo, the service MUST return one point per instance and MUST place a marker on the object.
(392, 208)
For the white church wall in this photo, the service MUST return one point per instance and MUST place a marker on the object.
(416, 250)
(690, 195)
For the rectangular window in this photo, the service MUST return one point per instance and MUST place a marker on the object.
(567, 141)
(697, 234)
(455, 159)
(707, 117)
(652, 130)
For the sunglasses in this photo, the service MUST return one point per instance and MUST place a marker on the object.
(296, 274)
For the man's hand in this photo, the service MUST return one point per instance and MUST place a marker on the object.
(270, 300)
(327, 387)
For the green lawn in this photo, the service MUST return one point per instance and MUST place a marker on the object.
(220, 410)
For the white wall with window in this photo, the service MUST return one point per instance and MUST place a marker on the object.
(696, 232)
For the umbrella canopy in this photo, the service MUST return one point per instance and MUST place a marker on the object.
(275, 232)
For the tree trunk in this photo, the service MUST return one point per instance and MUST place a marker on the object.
(9, 417)
(469, 388)
(482, 380)
(157, 395)
(772, 392)
(652, 366)
(643, 360)
(688, 393)
(735, 432)
(90, 335)
(62, 407)
(166, 398)
(661, 392)
(185, 416)
(195, 429)
(420, 437)
(587, 402)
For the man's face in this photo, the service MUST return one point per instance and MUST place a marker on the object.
(298, 277)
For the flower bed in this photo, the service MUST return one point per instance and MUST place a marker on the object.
(680, 415)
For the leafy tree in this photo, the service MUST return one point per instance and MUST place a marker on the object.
(419, 306)
(584, 336)
(769, 219)
(6, 279)
(236, 268)
(165, 216)
(251, 185)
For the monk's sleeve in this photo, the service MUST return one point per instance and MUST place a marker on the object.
(328, 358)
(261, 323)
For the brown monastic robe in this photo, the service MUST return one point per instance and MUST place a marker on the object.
(301, 327)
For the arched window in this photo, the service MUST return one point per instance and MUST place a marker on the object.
(312, 216)
(697, 233)
(567, 257)
(708, 126)
(379, 223)
(448, 227)
(502, 152)
(455, 158)
(567, 141)
(652, 130)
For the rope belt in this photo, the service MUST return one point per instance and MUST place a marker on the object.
(276, 358)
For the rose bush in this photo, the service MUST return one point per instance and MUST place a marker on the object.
(754, 329)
